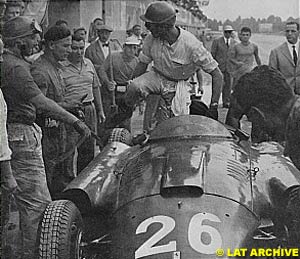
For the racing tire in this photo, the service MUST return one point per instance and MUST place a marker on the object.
(120, 135)
(60, 231)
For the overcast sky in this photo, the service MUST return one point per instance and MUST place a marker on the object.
(231, 9)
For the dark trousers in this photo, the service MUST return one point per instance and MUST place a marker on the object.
(227, 85)
(85, 152)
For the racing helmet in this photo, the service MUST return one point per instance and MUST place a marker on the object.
(19, 27)
(158, 12)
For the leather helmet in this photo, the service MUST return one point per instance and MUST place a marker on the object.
(19, 27)
(158, 12)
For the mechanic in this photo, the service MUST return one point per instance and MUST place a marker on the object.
(81, 81)
(46, 72)
(119, 67)
(264, 96)
(24, 99)
(177, 55)
(274, 110)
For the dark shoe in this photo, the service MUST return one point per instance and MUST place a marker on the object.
(124, 113)
(213, 112)
(226, 105)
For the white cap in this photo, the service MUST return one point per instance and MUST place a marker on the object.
(228, 28)
(132, 41)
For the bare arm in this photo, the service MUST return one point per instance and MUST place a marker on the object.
(217, 81)
(257, 59)
(200, 80)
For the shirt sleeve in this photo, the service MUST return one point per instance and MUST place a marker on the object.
(40, 79)
(24, 84)
(145, 54)
(203, 59)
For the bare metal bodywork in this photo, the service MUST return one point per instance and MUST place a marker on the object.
(192, 189)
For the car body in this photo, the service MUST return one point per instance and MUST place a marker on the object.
(193, 188)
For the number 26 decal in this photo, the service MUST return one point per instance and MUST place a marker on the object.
(195, 230)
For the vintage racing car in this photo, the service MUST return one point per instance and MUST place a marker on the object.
(193, 188)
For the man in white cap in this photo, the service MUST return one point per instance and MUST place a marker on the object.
(219, 50)
(119, 68)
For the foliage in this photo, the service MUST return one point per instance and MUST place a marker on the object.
(277, 23)
(191, 6)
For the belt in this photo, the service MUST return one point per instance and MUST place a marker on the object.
(167, 77)
(87, 103)
(121, 88)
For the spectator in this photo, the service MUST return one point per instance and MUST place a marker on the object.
(137, 32)
(80, 32)
(219, 50)
(2, 9)
(285, 57)
(242, 55)
(46, 72)
(94, 27)
(98, 51)
(81, 81)
(24, 99)
(13, 9)
(167, 44)
(63, 23)
(129, 33)
(119, 67)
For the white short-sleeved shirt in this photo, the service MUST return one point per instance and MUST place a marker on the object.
(5, 152)
(180, 60)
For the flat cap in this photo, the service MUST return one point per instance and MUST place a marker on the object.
(104, 27)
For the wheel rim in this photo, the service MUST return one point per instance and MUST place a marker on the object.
(79, 252)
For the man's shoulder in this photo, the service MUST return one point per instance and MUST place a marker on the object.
(88, 62)
(92, 45)
(189, 39)
(41, 65)
(115, 43)
(219, 39)
(11, 60)
(280, 47)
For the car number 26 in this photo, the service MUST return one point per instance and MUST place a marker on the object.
(195, 229)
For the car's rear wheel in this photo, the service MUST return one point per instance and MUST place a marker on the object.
(60, 231)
